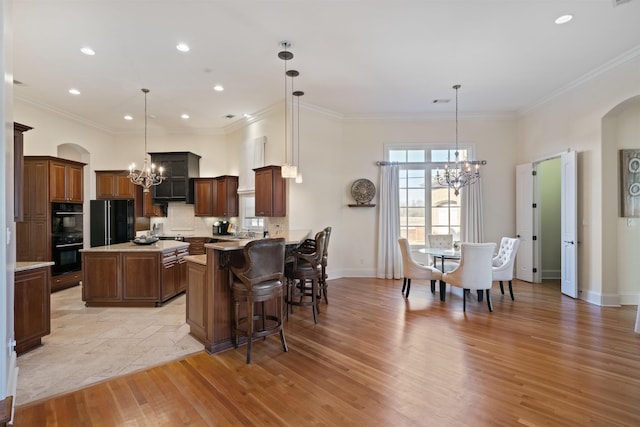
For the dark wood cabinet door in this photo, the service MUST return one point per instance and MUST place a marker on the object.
(140, 275)
(270, 193)
(169, 268)
(36, 186)
(18, 170)
(32, 307)
(227, 197)
(125, 189)
(150, 209)
(75, 189)
(101, 271)
(57, 182)
(196, 299)
(181, 270)
(105, 185)
(204, 191)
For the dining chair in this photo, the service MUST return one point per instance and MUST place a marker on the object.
(442, 241)
(474, 271)
(413, 270)
(504, 262)
(258, 280)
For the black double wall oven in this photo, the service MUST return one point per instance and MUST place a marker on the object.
(67, 239)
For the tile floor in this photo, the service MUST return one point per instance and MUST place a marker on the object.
(91, 344)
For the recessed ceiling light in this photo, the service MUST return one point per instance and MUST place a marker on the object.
(88, 51)
(246, 116)
(183, 47)
(564, 19)
(74, 91)
(185, 116)
(128, 117)
(218, 88)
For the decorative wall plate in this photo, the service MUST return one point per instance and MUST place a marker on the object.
(363, 191)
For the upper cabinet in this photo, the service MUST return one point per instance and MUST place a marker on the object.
(179, 167)
(114, 185)
(216, 196)
(66, 181)
(18, 170)
(227, 197)
(271, 196)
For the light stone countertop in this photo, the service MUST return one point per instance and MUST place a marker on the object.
(32, 265)
(291, 238)
(198, 259)
(159, 246)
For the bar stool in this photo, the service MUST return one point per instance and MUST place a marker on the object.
(322, 284)
(259, 280)
(303, 276)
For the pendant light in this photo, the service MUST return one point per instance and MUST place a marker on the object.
(147, 176)
(298, 94)
(288, 170)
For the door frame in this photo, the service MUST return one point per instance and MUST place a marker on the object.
(536, 226)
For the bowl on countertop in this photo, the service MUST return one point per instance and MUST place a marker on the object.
(143, 240)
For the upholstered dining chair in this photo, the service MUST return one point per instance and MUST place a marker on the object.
(413, 270)
(503, 263)
(258, 280)
(442, 241)
(474, 271)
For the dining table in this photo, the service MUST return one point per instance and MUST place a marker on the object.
(442, 254)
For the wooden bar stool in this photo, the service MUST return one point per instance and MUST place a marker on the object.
(303, 277)
(259, 280)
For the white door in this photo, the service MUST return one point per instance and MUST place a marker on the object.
(524, 221)
(569, 224)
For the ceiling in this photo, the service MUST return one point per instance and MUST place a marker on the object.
(356, 58)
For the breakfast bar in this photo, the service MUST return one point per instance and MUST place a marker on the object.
(217, 292)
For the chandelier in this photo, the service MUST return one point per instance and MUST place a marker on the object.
(459, 174)
(147, 176)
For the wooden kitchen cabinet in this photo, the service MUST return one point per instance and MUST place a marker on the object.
(114, 185)
(32, 307)
(18, 170)
(66, 181)
(197, 296)
(137, 276)
(216, 196)
(205, 193)
(227, 196)
(196, 244)
(149, 208)
(33, 242)
(270, 196)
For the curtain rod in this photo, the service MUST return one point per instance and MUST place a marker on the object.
(387, 163)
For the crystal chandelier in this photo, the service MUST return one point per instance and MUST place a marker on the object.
(147, 176)
(459, 174)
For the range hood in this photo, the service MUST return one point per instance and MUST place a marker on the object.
(179, 168)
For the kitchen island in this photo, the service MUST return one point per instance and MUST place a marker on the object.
(133, 275)
(217, 290)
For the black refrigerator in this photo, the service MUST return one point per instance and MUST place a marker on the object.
(112, 221)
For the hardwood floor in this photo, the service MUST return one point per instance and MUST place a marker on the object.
(377, 359)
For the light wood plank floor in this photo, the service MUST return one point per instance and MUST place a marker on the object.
(376, 359)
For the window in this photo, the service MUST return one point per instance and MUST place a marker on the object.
(248, 219)
(426, 207)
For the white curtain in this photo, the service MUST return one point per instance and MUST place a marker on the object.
(389, 263)
(472, 219)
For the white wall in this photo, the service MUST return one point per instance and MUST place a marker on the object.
(573, 119)
(549, 206)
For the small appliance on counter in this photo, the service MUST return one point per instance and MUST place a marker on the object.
(220, 227)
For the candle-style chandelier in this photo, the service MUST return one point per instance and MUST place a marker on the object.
(459, 174)
(146, 177)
